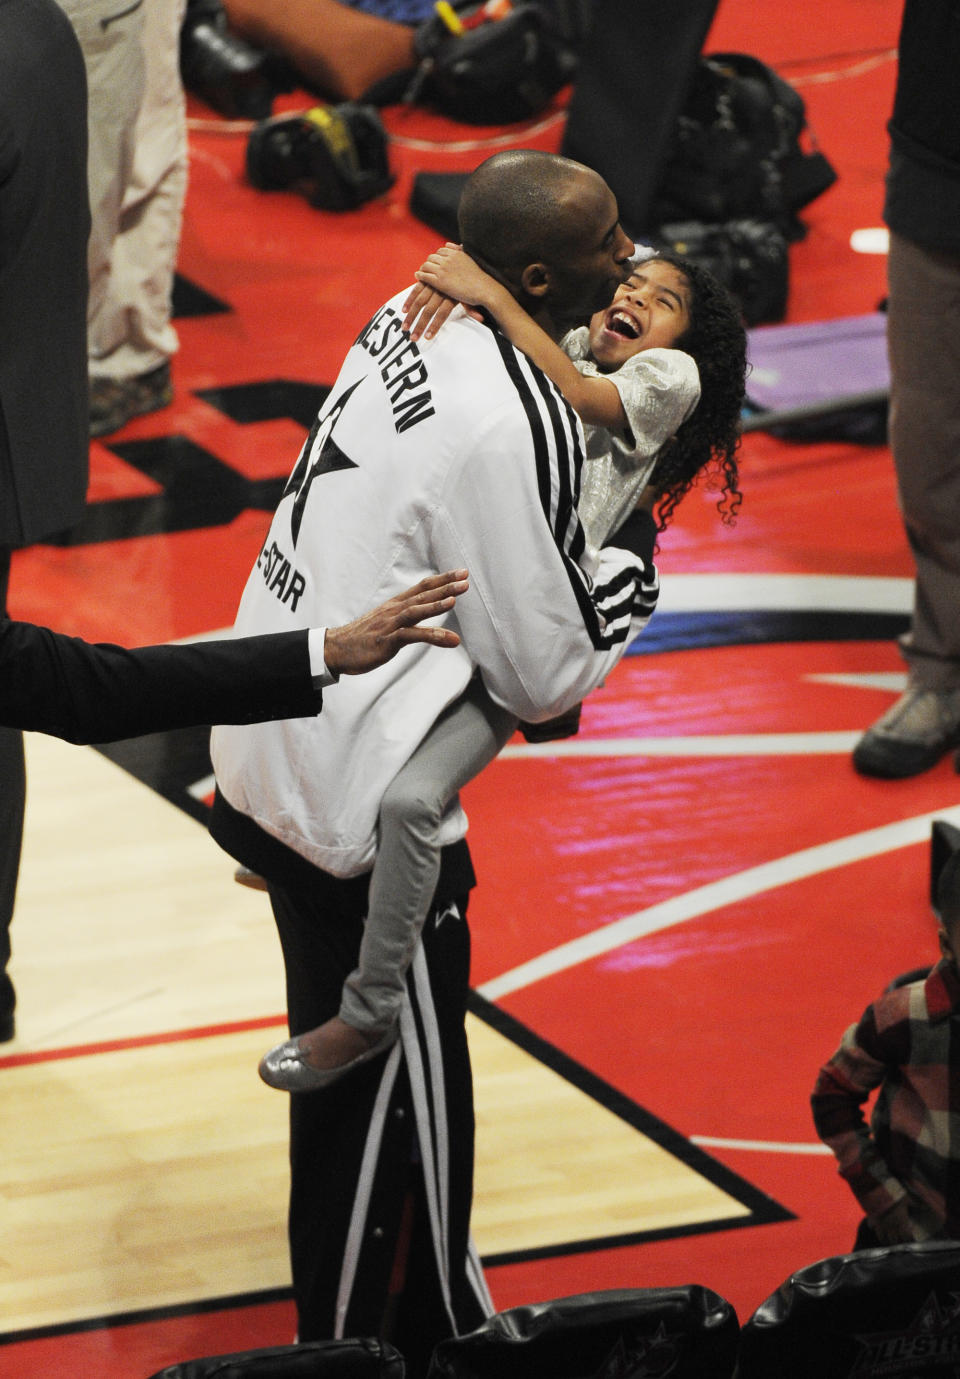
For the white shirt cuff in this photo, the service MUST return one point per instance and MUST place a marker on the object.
(318, 666)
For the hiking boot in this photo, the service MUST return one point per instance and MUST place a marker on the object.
(115, 401)
(915, 732)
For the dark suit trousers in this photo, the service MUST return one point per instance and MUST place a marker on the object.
(13, 793)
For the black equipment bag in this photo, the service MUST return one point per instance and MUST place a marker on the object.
(736, 151)
(350, 1359)
(498, 72)
(734, 178)
(335, 156)
(684, 1332)
(891, 1312)
(435, 200)
(750, 258)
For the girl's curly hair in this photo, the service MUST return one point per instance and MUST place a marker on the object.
(707, 442)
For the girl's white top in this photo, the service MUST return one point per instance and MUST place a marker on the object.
(659, 389)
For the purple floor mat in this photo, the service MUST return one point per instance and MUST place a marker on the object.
(817, 361)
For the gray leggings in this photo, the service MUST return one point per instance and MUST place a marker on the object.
(466, 736)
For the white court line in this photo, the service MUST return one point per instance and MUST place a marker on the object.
(725, 593)
(893, 680)
(715, 895)
(761, 1146)
(716, 745)
(200, 789)
(720, 745)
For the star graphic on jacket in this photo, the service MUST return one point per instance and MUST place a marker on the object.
(320, 455)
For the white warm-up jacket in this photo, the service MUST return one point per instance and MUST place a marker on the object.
(427, 456)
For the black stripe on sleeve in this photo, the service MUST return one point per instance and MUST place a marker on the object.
(568, 528)
(622, 595)
(534, 421)
(545, 470)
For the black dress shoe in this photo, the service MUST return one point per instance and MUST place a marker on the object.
(8, 1026)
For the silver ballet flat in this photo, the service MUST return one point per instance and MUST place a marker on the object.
(285, 1066)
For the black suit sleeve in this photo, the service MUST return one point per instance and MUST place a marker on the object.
(87, 692)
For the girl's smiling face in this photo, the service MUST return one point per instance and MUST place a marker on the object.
(651, 309)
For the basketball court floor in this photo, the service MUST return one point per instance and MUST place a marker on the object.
(678, 911)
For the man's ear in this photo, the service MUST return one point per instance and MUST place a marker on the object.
(535, 280)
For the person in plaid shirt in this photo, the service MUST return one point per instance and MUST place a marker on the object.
(904, 1168)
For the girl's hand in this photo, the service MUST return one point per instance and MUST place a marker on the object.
(426, 310)
(448, 276)
(454, 273)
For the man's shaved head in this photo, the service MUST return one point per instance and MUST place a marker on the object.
(549, 228)
(523, 205)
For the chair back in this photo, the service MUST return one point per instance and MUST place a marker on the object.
(684, 1333)
(351, 1359)
(892, 1312)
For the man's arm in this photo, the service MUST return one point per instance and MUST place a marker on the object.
(101, 693)
(843, 1085)
(543, 629)
(376, 637)
(449, 275)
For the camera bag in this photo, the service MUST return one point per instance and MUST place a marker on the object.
(750, 257)
(335, 156)
(497, 72)
(735, 176)
(736, 149)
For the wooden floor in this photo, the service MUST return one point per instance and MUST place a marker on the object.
(143, 1164)
(677, 914)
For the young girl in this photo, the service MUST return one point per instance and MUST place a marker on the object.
(658, 380)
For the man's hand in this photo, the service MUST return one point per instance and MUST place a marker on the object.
(369, 641)
(893, 1227)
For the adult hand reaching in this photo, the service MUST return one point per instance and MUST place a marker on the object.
(371, 640)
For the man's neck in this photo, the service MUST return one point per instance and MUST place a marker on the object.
(543, 317)
(533, 306)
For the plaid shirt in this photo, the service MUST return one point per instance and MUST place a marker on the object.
(908, 1044)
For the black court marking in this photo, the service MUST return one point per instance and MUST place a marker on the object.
(245, 403)
(189, 299)
(148, 1314)
(695, 631)
(762, 1209)
(169, 764)
(199, 491)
